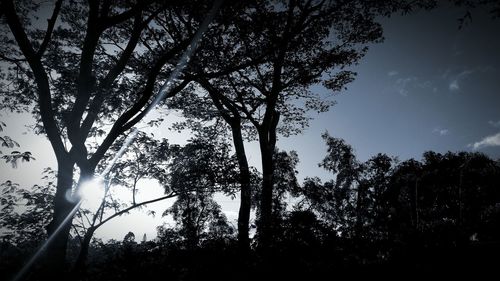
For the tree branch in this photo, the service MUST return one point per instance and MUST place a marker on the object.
(85, 80)
(12, 60)
(117, 19)
(111, 76)
(41, 79)
(50, 29)
(119, 213)
(220, 103)
(119, 126)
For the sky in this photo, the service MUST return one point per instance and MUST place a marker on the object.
(428, 86)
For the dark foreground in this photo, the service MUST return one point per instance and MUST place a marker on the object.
(223, 261)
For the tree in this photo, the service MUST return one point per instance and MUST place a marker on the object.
(336, 200)
(373, 205)
(198, 170)
(195, 213)
(286, 186)
(447, 196)
(288, 46)
(80, 73)
(147, 158)
(222, 56)
(24, 212)
(355, 203)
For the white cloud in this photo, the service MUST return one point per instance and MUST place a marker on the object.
(402, 84)
(495, 124)
(441, 132)
(392, 73)
(466, 72)
(493, 140)
(454, 85)
(455, 79)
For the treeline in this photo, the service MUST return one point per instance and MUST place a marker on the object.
(381, 216)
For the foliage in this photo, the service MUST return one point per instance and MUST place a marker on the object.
(25, 213)
(441, 203)
(198, 170)
(91, 76)
(13, 156)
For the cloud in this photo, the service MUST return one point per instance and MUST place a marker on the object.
(495, 124)
(488, 141)
(441, 132)
(454, 85)
(392, 73)
(404, 85)
(455, 79)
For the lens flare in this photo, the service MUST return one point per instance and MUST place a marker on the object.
(91, 193)
(42, 248)
(93, 188)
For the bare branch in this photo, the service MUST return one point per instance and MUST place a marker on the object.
(50, 28)
(41, 79)
(119, 213)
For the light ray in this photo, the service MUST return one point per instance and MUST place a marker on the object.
(37, 254)
(131, 137)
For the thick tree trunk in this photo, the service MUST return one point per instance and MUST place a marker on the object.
(265, 219)
(265, 232)
(267, 142)
(59, 228)
(246, 192)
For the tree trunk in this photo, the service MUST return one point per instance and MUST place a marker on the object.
(358, 229)
(266, 199)
(59, 228)
(246, 192)
(265, 219)
(267, 142)
(81, 261)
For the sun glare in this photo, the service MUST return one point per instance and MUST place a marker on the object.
(91, 193)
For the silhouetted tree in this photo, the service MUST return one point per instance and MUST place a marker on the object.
(198, 170)
(286, 188)
(82, 72)
(356, 202)
(443, 199)
(372, 206)
(147, 158)
(289, 46)
(221, 56)
(335, 200)
(25, 212)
